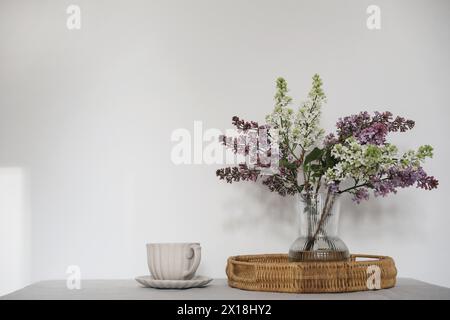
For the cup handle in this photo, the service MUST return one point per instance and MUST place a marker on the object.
(197, 256)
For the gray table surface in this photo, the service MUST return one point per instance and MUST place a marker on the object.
(218, 289)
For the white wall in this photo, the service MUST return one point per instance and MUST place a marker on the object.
(15, 268)
(88, 116)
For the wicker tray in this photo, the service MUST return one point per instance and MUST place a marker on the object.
(273, 272)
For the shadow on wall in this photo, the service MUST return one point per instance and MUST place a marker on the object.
(254, 208)
(393, 218)
(14, 230)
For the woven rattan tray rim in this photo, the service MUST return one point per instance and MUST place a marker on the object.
(352, 260)
(272, 276)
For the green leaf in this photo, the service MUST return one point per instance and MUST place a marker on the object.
(286, 164)
(330, 161)
(317, 174)
(314, 155)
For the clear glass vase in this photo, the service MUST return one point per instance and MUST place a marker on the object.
(318, 240)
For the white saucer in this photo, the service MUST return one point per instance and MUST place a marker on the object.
(196, 282)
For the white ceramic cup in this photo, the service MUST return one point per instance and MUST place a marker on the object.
(173, 261)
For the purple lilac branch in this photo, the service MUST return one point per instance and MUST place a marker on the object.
(403, 178)
(235, 174)
(396, 178)
(368, 129)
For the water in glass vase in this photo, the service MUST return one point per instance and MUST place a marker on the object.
(318, 240)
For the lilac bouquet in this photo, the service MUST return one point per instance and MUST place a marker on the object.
(355, 159)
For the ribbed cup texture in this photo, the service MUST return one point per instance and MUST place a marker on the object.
(171, 261)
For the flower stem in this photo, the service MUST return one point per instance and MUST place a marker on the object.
(325, 213)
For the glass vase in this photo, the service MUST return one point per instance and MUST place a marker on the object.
(318, 240)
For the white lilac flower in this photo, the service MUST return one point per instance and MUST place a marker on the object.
(306, 127)
(361, 162)
(299, 129)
